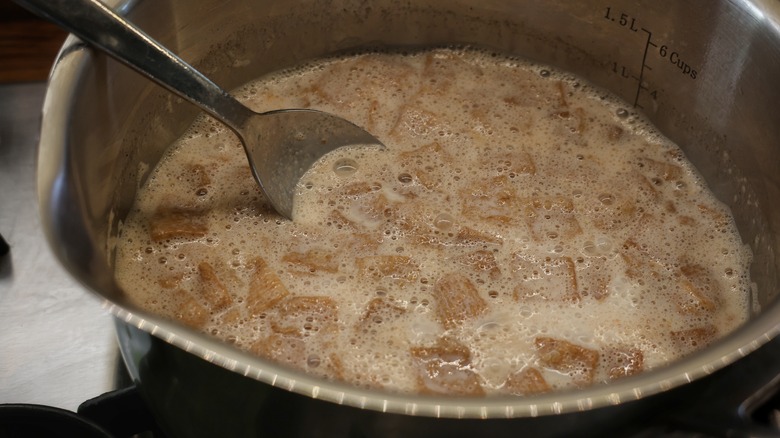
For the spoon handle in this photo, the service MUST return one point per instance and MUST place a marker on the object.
(96, 24)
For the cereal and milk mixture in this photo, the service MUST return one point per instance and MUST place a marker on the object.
(522, 233)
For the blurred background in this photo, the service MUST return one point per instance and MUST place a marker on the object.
(57, 342)
(28, 45)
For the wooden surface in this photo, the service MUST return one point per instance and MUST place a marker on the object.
(28, 45)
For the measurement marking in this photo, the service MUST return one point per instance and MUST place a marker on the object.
(642, 70)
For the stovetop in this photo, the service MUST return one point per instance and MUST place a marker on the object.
(57, 343)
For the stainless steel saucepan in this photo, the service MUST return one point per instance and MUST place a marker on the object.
(704, 71)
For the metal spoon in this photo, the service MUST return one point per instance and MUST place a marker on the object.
(280, 145)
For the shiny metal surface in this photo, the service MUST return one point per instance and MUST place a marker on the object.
(280, 145)
(704, 72)
(57, 343)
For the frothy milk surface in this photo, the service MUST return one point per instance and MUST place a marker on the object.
(523, 232)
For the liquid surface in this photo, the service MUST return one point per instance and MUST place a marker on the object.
(523, 233)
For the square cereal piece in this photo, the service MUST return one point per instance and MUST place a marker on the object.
(198, 175)
(462, 236)
(312, 261)
(232, 316)
(189, 311)
(401, 270)
(699, 292)
(338, 220)
(359, 189)
(427, 153)
(445, 369)
(358, 239)
(719, 216)
(592, 277)
(616, 211)
(304, 316)
(642, 187)
(170, 282)
(265, 288)
(213, 290)
(572, 359)
(563, 91)
(360, 243)
(573, 120)
(378, 311)
(613, 132)
(495, 201)
(420, 163)
(509, 163)
(193, 184)
(288, 350)
(549, 278)
(377, 208)
(466, 236)
(692, 339)
(416, 121)
(456, 300)
(175, 223)
(528, 381)
(480, 262)
(641, 264)
(370, 208)
(551, 218)
(660, 171)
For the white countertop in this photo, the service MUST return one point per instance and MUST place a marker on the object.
(57, 343)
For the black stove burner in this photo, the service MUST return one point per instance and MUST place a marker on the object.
(122, 412)
(28, 420)
(4, 248)
(116, 414)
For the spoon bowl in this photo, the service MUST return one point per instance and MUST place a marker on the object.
(280, 145)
